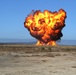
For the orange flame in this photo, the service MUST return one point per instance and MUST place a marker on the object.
(46, 26)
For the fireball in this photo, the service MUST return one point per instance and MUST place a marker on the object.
(46, 26)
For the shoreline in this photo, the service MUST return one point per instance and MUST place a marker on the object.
(35, 48)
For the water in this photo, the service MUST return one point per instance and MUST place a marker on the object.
(67, 42)
(33, 41)
(21, 41)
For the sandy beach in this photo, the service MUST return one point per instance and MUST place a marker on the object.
(22, 59)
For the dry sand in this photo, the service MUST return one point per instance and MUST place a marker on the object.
(21, 59)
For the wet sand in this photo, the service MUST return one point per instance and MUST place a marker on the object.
(22, 59)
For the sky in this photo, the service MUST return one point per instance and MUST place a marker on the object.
(14, 12)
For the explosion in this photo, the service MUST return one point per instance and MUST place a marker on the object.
(46, 26)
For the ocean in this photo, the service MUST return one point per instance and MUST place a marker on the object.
(33, 41)
(67, 42)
